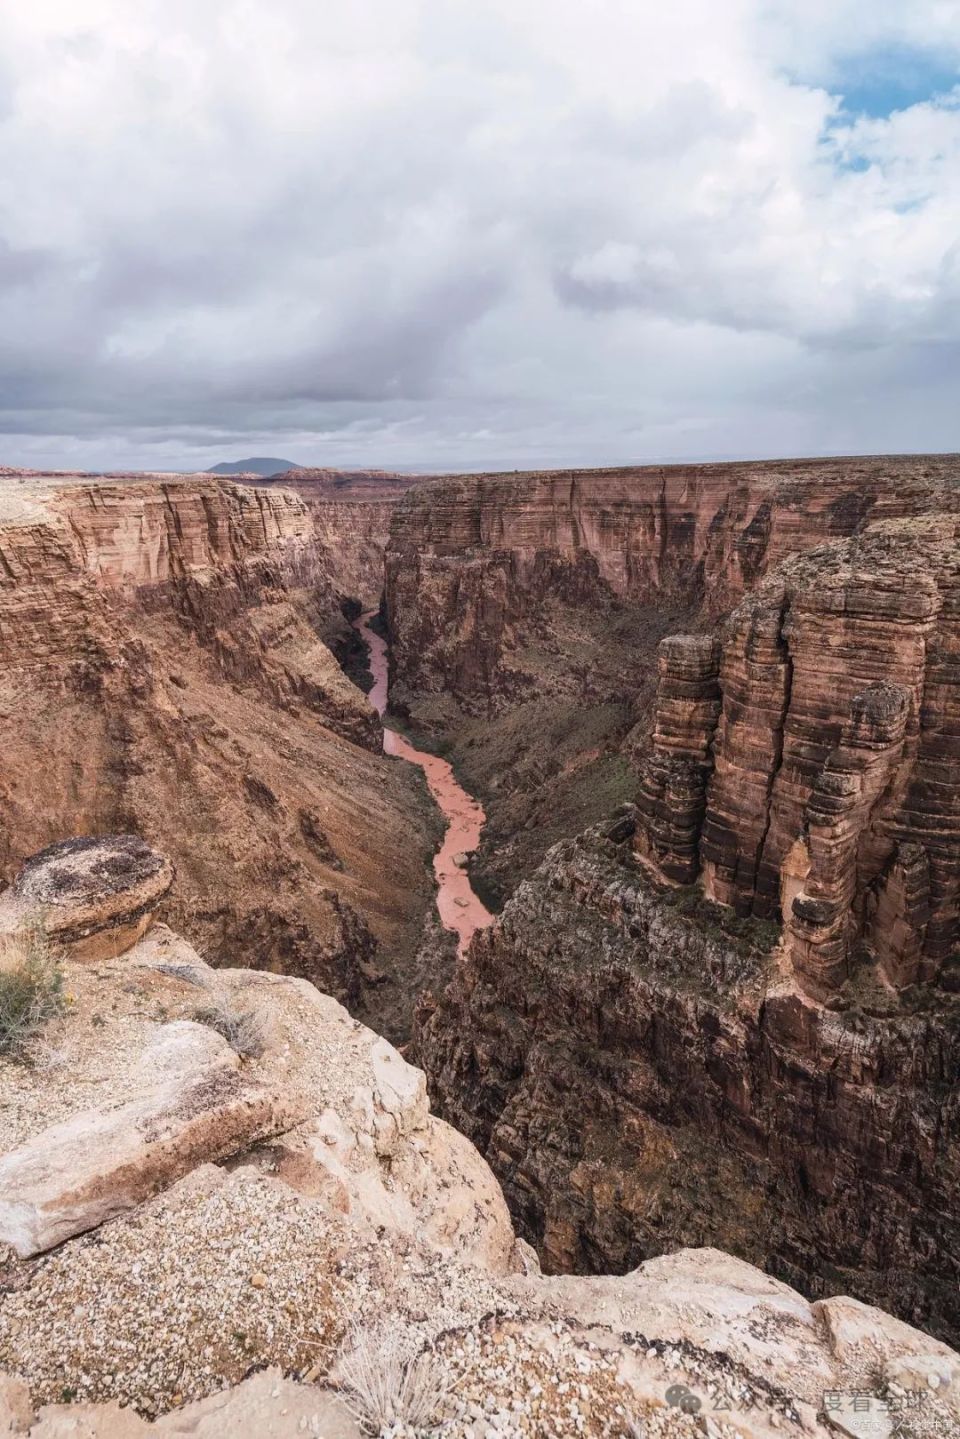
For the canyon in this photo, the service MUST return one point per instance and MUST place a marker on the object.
(168, 666)
(701, 991)
(729, 1014)
(458, 907)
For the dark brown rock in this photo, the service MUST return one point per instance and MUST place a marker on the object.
(93, 897)
(641, 1076)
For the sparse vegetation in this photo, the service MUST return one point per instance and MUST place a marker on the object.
(243, 1030)
(31, 987)
(719, 921)
(386, 1384)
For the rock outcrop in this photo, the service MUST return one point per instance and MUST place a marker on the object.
(673, 784)
(525, 612)
(275, 1220)
(163, 670)
(643, 1069)
(96, 896)
(834, 798)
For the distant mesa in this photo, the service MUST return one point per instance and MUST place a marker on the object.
(259, 465)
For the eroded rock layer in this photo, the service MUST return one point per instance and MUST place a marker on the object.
(239, 1218)
(163, 669)
(351, 512)
(525, 613)
(642, 1071)
(835, 794)
(471, 557)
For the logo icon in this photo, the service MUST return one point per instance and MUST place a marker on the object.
(683, 1398)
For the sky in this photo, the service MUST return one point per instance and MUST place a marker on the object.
(440, 234)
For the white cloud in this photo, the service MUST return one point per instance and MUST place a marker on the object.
(426, 231)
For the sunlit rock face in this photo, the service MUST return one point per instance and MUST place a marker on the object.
(835, 795)
(166, 668)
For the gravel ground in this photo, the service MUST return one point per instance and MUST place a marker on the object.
(179, 1300)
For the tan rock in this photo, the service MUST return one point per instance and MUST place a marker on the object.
(77, 1174)
(95, 897)
(16, 1411)
(265, 1406)
(89, 1421)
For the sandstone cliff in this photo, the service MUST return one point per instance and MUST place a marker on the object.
(525, 612)
(472, 557)
(642, 1071)
(163, 670)
(210, 1236)
(351, 512)
(730, 1016)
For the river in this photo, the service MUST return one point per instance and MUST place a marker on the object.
(460, 909)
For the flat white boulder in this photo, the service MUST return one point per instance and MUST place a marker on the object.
(77, 1174)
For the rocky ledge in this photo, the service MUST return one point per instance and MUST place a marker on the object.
(96, 896)
(226, 1201)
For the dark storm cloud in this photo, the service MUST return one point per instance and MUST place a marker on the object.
(534, 233)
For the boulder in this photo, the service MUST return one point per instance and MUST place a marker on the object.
(77, 1174)
(95, 896)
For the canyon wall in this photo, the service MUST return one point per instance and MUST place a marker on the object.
(526, 610)
(642, 1072)
(731, 1014)
(351, 512)
(162, 668)
(471, 558)
(814, 770)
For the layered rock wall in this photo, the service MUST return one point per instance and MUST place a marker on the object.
(351, 512)
(835, 793)
(163, 668)
(471, 557)
(642, 1071)
(672, 795)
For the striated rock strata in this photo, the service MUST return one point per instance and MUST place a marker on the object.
(471, 558)
(525, 612)
(834, 801)
(163, 670)
(642, 1070)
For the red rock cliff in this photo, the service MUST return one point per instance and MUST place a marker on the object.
(834, 797)
(471, 557)
(163, 671)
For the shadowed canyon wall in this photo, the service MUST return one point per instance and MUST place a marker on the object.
(351, 512)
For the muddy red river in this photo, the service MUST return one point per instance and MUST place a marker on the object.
(460, 909)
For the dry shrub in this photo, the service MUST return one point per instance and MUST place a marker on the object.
(244, 1031)
(386, 1382)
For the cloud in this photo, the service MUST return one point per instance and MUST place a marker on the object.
(415, 232)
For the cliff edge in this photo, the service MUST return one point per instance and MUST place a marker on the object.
(228, 1209)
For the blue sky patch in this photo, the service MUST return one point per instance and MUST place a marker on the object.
(878, 82)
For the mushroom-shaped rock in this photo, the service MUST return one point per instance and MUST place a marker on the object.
(94, 896)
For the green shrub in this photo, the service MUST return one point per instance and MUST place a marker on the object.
(31, 987)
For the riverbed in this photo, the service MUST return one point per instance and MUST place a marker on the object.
(460, 909)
